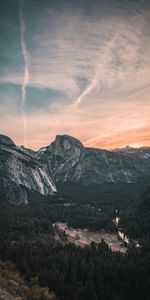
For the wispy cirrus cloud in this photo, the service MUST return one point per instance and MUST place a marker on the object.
(25, 55)
(70, 45)
(96, 59)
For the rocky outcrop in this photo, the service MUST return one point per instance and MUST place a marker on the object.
(5, 295)
(13, 287)
(6, 140)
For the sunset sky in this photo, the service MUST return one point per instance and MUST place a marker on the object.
(77, 67)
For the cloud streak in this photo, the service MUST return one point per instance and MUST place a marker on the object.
(105, 59)
(96, 62)
(26, 70)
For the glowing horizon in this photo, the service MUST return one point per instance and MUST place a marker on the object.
(106, 144)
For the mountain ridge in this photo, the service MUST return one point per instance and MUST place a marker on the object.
(90, 165)
(66, 159)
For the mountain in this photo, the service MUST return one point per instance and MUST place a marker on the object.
(70, 161)
(66, 160)
(19, 171)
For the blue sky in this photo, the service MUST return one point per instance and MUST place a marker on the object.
(75, 67)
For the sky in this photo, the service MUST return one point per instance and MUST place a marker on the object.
(80, 68)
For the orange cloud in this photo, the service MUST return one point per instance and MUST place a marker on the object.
(134, 138)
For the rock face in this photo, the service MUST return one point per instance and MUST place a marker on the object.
(70, 161)
(5, 295)
(19, 171)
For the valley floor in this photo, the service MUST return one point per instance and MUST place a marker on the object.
(83, 237)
